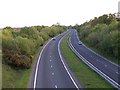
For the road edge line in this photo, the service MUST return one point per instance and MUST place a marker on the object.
(39, 62)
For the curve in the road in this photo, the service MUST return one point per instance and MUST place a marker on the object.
(110, 74)
(51, 71)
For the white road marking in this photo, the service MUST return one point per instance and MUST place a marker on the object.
(51, 66)
(55, 86)
(105, 65)
(50, 56)
(52, 73)
(36, 71)
(50, 60)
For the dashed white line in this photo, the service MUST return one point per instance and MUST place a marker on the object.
(38, 61)
(55, 86)
(50, 60)
(36, 71)
(105, 65)
(50, 56)
(52, 73)
(51, 66)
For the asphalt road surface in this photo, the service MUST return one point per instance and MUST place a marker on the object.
(108, 68)
(50, 70)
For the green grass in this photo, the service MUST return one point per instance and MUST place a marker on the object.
(12, 78)
(17, 78)
(84, 74)
(9, 76)
(23, 80)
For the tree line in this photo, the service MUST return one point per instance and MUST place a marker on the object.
(20, 45)
(102, 33)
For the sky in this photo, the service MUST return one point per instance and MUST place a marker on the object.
(20, 13)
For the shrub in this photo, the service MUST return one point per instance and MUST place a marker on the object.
(19, 47)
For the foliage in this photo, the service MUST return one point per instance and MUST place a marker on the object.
(20, 46)
(102, 33)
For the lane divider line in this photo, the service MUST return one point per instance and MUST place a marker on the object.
(51, 66)
(52, 73)
(38, 61)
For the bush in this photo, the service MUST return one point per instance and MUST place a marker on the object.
(102, 33)
(94, 39)
(29, 32)
(44, 35)
(16, 60)
(19, 47)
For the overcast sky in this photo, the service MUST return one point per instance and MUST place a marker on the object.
(19, 13)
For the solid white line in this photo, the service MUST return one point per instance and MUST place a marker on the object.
(52, 73)
(38, 64)
(51, 66)
(114, 83)
(65, 65)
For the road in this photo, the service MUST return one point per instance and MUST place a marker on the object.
(109, 69)
(51, 70)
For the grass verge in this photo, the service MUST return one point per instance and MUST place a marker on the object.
(84, 74)
(16, 78)
(12, 78)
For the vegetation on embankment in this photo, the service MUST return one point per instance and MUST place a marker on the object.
(19, 47)
(102, 35)
(84, 74)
